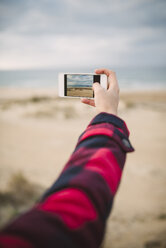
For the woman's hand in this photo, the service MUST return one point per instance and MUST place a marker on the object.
(105, 100)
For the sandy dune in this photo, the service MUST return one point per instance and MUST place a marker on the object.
(81, 92)
(38, 132)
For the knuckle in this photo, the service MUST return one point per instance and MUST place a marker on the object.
(112, 74)
(112, 71)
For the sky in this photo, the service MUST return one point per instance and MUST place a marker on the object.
(77, 80)
(80, 33)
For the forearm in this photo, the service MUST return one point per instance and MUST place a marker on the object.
(73, 212)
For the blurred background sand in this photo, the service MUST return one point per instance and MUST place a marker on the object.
(38, 133)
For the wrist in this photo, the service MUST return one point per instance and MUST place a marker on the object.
(108, 111)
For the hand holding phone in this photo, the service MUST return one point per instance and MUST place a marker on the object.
(80, 85)
(105, 100)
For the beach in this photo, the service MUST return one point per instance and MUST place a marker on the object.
(39, 131)
(80, 91)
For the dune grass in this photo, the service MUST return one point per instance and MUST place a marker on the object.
(20, 194)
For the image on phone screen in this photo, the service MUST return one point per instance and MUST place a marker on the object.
(80, 85)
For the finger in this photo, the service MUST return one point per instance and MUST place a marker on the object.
(103, 71)
(88, 101)
(113, 82)
(96, 86)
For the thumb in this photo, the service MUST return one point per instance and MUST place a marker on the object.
(96, 86)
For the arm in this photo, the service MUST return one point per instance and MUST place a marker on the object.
(73, 212)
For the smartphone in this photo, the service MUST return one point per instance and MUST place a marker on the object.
(80, 84)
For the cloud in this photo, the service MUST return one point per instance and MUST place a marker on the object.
(78, 80)
(51, 33)
(61, 50)
(56, 50)
(54, 16)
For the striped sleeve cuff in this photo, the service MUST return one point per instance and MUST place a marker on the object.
(104, 117)
(109, 125)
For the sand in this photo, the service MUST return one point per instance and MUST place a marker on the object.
(80, 92)
(38, 132)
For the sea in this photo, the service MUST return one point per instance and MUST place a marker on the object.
(149, 78)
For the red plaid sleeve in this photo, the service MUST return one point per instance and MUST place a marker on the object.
(73, 211)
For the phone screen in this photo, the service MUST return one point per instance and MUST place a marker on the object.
(80, 85)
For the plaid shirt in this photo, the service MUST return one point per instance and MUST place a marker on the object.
(73, 212)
